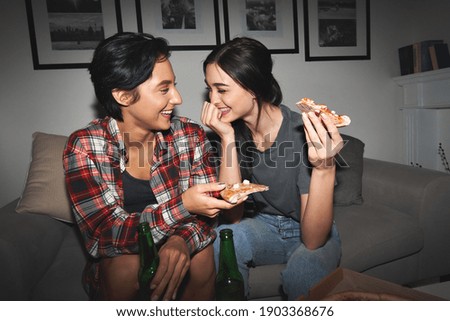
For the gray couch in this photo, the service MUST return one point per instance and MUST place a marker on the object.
(398, 231)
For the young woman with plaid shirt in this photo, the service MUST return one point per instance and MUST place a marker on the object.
(141, 163)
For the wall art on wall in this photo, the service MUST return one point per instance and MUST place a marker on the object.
(273, 22)
(64, 33)
(337, 29)
(186, 24)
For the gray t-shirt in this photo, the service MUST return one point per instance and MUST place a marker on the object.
(284, 167)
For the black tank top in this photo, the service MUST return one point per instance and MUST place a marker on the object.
(137, 193)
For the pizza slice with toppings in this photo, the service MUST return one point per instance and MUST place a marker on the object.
(307, 105)
(234, 192)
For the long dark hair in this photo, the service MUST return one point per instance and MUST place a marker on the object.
(249, 63)
(124, 61)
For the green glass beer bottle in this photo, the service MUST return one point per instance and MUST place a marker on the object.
(149, 260)
(229, 281)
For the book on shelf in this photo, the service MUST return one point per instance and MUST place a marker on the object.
(422, 59)
(416, 57)
(406, 60)
(440, 56)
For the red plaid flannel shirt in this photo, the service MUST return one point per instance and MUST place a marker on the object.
(94, 159)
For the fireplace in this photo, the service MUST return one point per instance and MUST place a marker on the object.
(426, 118)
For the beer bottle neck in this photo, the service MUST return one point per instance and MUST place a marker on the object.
(227, 258)
(147, 249)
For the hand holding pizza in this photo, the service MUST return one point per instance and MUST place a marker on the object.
(202, 199)
(322, 136)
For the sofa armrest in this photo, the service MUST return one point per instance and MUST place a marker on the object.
(404, 188)
(28, 246)
(421, 193)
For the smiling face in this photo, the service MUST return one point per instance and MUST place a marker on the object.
(228, 96)
(158, 97)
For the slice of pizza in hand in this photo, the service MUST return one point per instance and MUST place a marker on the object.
(306, 105)
(234, 192)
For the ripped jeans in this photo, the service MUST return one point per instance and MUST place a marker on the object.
(271, 239)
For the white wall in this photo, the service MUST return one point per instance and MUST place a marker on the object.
(60, 101)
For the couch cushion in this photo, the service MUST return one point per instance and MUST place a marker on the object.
(27, 250)
(372, 235)
(349, 170)
(265, 282)
(45, 189)
(63, 279)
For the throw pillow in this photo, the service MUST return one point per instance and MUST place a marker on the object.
(45, 188)
(349, 169)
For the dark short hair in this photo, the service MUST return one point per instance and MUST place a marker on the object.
(124, 61)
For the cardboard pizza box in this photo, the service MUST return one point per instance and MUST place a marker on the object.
(344, 280)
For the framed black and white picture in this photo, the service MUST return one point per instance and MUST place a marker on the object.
(186, 24)
(64, 33)
(273, 22)
(337, 29)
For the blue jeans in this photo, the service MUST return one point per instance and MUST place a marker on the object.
(270, 239)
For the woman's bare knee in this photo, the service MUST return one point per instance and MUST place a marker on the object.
(119, 277)
(201, 276)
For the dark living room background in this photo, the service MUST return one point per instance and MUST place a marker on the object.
(60, 101)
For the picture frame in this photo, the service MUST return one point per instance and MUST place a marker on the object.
(192, 25)
(258, 20)
(64, 35)
(336, 29)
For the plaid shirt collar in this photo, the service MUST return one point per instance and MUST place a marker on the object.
(118, 141)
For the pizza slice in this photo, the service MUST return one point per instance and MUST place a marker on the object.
(307, 105)
(234, 192)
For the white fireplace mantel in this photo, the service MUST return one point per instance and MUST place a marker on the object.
(425, 117)
(429, 89)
